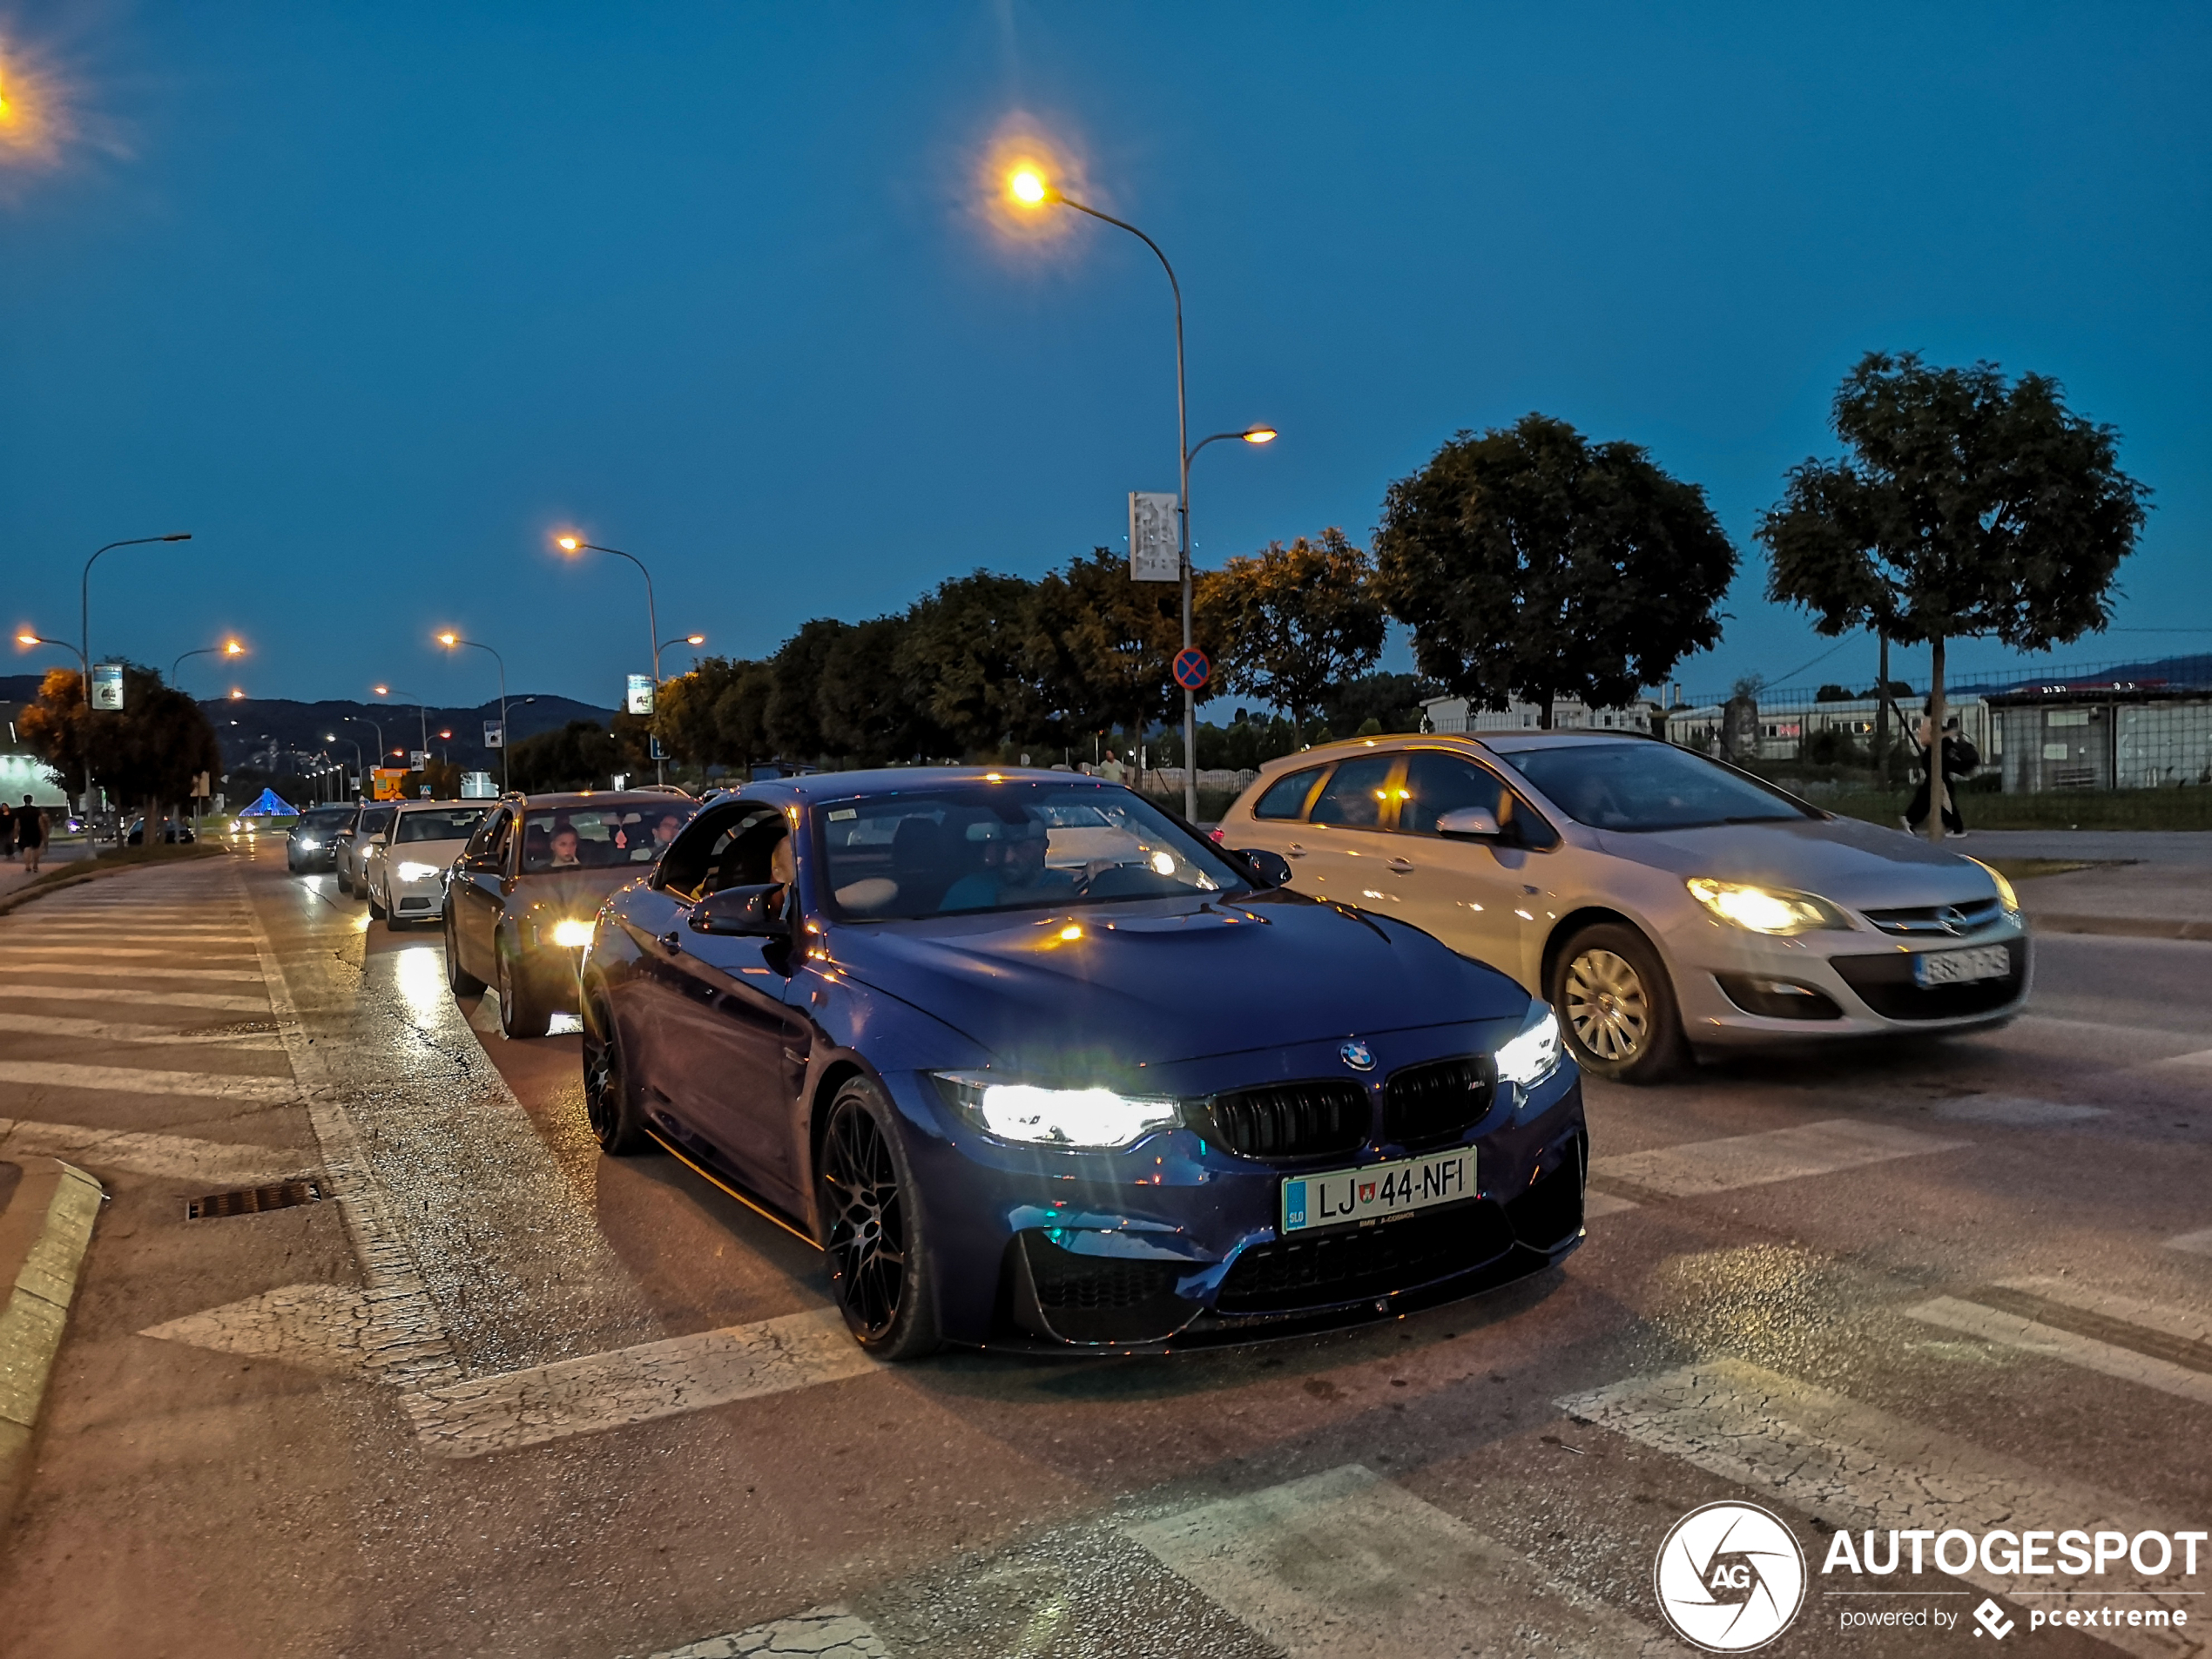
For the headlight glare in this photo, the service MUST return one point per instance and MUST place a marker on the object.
(1765, 910)
(410, 870)
(1092, 1117)
(571, 934)
(1532, 1055)
(2006, 896)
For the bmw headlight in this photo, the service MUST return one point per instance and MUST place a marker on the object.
(571, 934)
(410, 870)
(1097, 1118)
(1765, 910)
(1533, 1053)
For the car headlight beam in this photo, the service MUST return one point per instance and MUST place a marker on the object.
(1765, 910)
(410, 870)
(1086, 1117)
(571, 934)
(2006, 896)
(1532, 1052)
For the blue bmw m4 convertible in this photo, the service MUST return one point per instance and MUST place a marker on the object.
(1037, 1065)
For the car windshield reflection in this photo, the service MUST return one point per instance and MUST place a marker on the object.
(963, 850)
(1646, 786)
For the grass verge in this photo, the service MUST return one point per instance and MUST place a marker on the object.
(2065, 809)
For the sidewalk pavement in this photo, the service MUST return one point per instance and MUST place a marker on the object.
(2149, 884)
(13, 875)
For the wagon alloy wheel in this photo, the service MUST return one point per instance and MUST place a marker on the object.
(1607, 1006)
(521, 1014)
(877, 1266)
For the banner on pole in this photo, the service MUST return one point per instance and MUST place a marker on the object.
(107, 685)
(640, 699)
(494, 735)
(1154, 554)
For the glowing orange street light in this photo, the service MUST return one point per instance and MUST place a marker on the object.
(228, 648)
(236, 694)
(1259, 434)
(1028, 187)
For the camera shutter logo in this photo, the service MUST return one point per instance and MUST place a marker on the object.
(1730, 1577)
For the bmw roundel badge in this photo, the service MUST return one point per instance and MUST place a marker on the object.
(1358, 1055)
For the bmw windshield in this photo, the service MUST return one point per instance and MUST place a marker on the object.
(1646, 786)
(966, 848)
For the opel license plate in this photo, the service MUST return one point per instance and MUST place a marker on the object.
(1344, 1196)
(1961, 967)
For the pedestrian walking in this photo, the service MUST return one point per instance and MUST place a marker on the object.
(1959, 760)
(1110, 768)
(7, 831)
(30, 834)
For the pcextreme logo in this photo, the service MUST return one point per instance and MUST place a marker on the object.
(1730, 1577)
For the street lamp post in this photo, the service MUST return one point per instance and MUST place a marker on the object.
(577, 545)
(228, 648)
(506, 738)
(362, 720)
(359, 766)
(1029, 187)
(422, 712)
(84, 588)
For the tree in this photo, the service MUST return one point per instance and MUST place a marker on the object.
(1100, 647)
(1394, 701)
(1531, 563)
(1290, 624)
(54, 726)
(868, 711)
(793, 714)
(147, 753)
(580, 755)
(1965, 506)
(964, 654)
(717, 714)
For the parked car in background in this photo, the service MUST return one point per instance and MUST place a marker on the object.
(404, 870)
(171, 830)
(350, 844)
(524, 891)
(1661, 902)
(1038, 1066)
(311, 846)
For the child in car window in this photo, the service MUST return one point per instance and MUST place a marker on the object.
(561, 849)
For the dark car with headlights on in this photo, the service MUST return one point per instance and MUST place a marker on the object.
(349, 847)
(309, 846)
(1037, 1065)
(520, 898)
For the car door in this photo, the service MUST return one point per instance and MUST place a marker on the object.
(479, 894)
(727, 1053)
(1482, 898)
(1341, 848)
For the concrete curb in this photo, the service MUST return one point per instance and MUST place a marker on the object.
(2121, 927)
(43, 1233)
(76, 879)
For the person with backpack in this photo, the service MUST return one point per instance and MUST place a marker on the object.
(1959, 760)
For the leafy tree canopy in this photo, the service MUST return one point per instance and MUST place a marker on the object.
(1531, 563)
(150, 750)
(1292, 625)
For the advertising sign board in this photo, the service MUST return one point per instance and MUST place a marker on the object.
(478, 785)
(1153, 553)
(495, 734)
(640, 698)
(107, 685)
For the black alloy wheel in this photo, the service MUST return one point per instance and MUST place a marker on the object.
(1616, 1005)
(878, 1261)
(609, 1103)
(459, 979)
(521, 1014)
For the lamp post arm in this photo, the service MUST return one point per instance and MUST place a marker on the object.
(652, 631)
(84, 588)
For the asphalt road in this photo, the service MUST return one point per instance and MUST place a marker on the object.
(498, 1395)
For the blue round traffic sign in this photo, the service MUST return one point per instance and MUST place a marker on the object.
(1191, 668)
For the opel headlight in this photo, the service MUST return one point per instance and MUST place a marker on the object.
(2006, 896)
(1765, 910)
(410, 870)
(1532, 1055)
(571, 935)
(1097, 1118)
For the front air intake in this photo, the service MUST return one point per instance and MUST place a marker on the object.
(1318, 1119)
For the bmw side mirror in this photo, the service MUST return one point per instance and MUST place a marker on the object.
(1273, 867)
(756, 913)
(1470, 823)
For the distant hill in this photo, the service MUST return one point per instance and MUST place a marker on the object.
(248, 726)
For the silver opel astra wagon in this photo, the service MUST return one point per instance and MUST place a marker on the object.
(1660, 901)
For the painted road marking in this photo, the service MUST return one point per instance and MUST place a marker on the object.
(1856, 1467)
(133, 1080)
(2181, 1324)
(1700, 1168)
(136, 999)
(821, 1632)
(2122, 1340)
(54, 1025)
(328, 1328)
(2196, 1244)
(603, 1391)
(233, 976)
(57, 955)
(177, 1156)
(1347, 1564)
(2013, 1108)
(1604, 1203)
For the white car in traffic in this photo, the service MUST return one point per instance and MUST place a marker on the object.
(404, 872)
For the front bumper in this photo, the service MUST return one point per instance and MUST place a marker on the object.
(1176, 1241)
(1739, 990)
(423, 900)
(321, 856)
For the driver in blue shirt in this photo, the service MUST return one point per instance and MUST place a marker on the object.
(1014, 872)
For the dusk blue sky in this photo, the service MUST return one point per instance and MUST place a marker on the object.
(374, 298)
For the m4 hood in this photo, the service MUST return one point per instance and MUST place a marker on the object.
(1180, 980)
(1841, 858)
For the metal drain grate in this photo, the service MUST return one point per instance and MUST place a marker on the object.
(253, 1200)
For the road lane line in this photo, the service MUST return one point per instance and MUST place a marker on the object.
(1347, 1564)
(225, 1163)
(105, 951)
(2196, 1244)
(1605, 1203)
(405, 1318)
(819, 1633)
(1699, 1168)
(2049, 1342)
(133, 1080)
(327, 1328)
(229, 976)
(1856, 1467)
(2182, 1324)
(2014, 1108)
(603, 1391)
(253, 1005)
(54, 1025)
